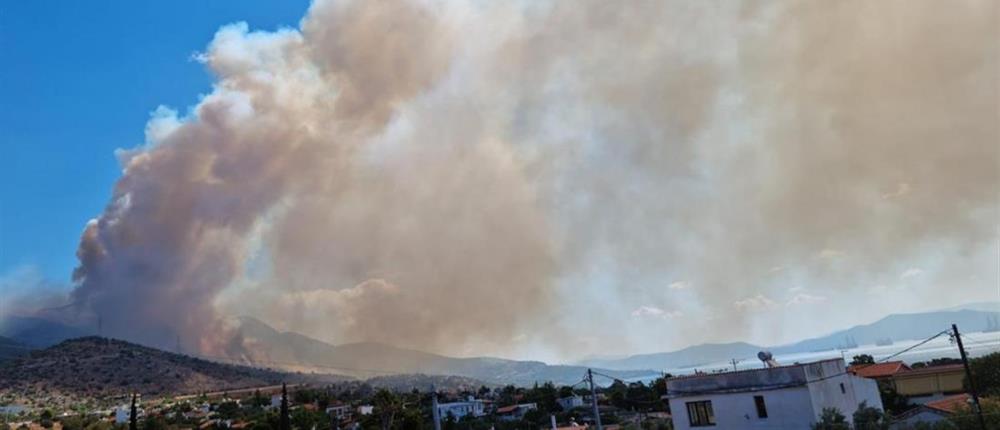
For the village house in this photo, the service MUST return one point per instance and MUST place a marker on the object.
(515, 412)
(340, 412)
(570, 402)
(882, 372)
(775, 397)
(931, 412)
(459, 410)
(930, 383)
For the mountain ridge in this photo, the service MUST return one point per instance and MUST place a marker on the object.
(897, 327)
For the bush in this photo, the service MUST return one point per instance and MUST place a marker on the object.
(831, 419)
(869, 418)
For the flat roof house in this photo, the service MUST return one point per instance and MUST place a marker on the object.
(778, 397)
(459, 410)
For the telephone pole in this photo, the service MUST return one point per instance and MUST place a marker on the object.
(734, 361)
(968, 375)
(434, 408)
(593, 400)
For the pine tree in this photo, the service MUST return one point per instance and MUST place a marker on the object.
(284, 423)
(133, 419)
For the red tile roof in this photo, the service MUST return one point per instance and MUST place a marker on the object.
(930, 370)
(950, 404)
(878, 370)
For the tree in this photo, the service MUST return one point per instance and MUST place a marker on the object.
(892, 401)
(831, 419)
(965, 418)
(986, 371)
(862, 359)
(133, 416)
(386, 405)
(870, 418)
(284, 423)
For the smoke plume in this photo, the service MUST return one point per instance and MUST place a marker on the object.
(489, 177)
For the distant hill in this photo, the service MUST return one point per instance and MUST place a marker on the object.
(96, 368)
(896, 327)
(10, 349)
(267, 345)
(687, 357)
(39, 332)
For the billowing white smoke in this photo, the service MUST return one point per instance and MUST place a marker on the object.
(464, 176)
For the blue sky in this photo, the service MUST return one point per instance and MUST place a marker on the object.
(79, 80)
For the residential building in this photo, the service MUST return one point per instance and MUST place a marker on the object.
(780, 397)
(931, 412)
(340, 412)
(365, 409)
(458, 410)
(515, 412)
(574, 401)
(930, 383)
(879, 371)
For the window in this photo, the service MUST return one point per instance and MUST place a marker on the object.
(761, 407)
(700, 413)
(842, 389)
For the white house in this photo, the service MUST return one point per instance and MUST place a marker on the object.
(570, 402)
(124, 413)
(457, 410)
(781, 397)
(340, 412)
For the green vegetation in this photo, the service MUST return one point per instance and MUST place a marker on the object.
(870, 418)
(862, 359)
(986, 371)
(831, 419)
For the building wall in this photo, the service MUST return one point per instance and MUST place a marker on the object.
(931, 383)
(827, 393)
(787, 408)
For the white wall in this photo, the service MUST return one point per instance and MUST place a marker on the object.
(788, 408)
(827, 393)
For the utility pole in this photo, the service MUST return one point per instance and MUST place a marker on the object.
(593, 400)
(968, 375)
(434, 408)
(734, 361)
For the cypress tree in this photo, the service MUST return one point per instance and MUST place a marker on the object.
(285, 424)
(133, 418)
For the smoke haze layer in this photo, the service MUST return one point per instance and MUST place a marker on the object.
(479, 178)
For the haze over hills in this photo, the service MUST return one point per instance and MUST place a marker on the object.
(267, 345)
(261, 345)
(896, 327)
(40, 332)
(94, 368)
(10, 348)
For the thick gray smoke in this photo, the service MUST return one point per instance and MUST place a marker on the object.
(485, 177)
